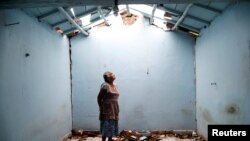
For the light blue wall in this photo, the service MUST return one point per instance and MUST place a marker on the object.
(155, 76)
(223, 57)
(34, 91)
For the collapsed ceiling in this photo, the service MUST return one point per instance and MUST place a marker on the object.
(69, 16)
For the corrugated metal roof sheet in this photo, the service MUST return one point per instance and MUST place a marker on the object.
(199, 15)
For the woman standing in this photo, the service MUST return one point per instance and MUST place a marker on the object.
(108, 107)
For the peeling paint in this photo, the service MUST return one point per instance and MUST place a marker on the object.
(232, 108)
(207, 116)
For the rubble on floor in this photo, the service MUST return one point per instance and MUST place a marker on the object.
(129, 135)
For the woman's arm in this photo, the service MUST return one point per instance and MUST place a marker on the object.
(100, 97)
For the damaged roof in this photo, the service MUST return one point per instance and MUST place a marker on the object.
(67, 16)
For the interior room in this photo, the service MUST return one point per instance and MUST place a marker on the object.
(180, 65)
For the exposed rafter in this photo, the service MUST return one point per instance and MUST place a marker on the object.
(78, 16)
(102, 15)
(67, 3)
(72, 21)
(185, 26)
(153, 13)
(182, 16)
(128, 11)
(178, 13)
(88, 26)
(172, 22)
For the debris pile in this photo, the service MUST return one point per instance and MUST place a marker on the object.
(129, 135)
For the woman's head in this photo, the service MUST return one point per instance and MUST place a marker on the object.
(109, 77)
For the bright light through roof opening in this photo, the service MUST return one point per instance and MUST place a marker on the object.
(143, 8)
(121, 6)
(86, 20)
(160, 14)
(160, 23)
(73, 12)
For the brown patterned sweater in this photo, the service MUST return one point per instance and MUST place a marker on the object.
(108, 102)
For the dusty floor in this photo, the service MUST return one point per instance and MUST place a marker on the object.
(129, 135)
(99, 139)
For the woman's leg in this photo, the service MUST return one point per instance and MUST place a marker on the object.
(103, 138)
(110, 139)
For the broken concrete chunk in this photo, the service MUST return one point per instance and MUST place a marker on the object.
(76, 132)
(130, 135)
(154, 137)
(143, 138)
(118, 138)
